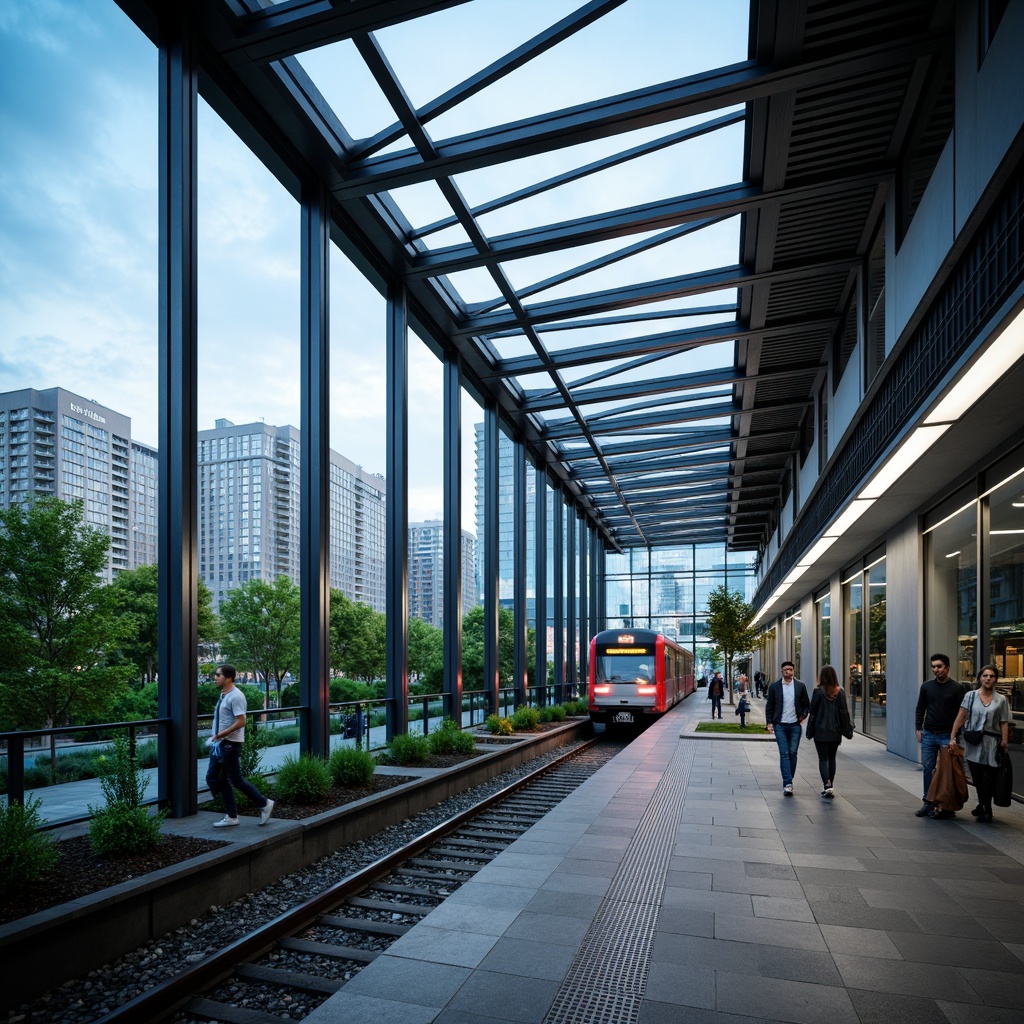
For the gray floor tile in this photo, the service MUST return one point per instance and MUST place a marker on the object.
(591, 885)
(879, 975)
(554, 928)
(941, 949)
(652, 1012)
(567, 904)
(784, 1000)
(409, 981)
(487, 993)
(782, 908)
(528, 958)
(443, 945)
(689, 879)
(349, 1008)
(886, 1007)
(764, 931)
(686, 922)
(996, 988)
(798, 965)
(688, 985)
(700, 899)
(861, 941)
(968, 1013)
(710, 954)
(1004, 930)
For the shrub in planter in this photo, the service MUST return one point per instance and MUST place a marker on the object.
(125, 825)
(448, 738)
(25, 852)
(557, 713)
(499, 726)
(525, 718)
(303, 780)
(407, 749)
(351, 766)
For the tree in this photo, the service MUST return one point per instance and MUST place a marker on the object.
(473, 647)
(426, 650)
(137, 595)
(729, 626)
(59, 628)
(358, 638)
(260, 621)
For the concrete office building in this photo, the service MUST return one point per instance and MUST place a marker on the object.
(54, 442)
(249, 507)
(426, 571)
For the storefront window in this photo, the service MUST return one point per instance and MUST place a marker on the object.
(823, 613)
(875, 723)
(951, 591)
(853, 642)
(1006, 590)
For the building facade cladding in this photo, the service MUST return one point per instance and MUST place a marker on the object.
(885, 568)
(54, 442)
(142, 506)
(249, 508)
(426, 570)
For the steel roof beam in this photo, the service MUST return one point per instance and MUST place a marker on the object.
(694, 95)
(707, 206)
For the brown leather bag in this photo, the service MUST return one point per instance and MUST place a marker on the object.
(948, 791)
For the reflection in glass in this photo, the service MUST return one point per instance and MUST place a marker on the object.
(951, 592)
(876, 650)
(823, 611)
(1006, 590)
(853, 643)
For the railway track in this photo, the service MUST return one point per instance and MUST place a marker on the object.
(287, 967)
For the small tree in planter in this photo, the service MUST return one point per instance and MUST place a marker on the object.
(729, 627)
(125, 825)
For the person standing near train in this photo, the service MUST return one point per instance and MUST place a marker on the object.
(716, 689)
(784, 713)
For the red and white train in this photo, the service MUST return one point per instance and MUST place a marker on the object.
(636, 674)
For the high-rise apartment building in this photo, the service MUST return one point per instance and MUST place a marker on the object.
(54, 442)
(249, 505)
(426, 571)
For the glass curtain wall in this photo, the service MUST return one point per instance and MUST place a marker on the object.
(823, 625)
(1006, 588)
(853, 641)
(875, 723)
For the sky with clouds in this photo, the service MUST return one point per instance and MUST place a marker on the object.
(78, 208)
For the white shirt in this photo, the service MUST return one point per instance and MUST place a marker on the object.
(788, 703)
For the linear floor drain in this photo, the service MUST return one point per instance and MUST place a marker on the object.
(606, 982)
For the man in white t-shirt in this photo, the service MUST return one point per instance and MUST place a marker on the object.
(784, 712)
(224, 774)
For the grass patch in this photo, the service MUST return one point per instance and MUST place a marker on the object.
(752, 729)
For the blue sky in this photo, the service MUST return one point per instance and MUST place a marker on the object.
(78, 206)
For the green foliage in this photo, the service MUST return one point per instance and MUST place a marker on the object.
(499, 726)
(137, 704)
(729, 624)
(752, 729)
(525, 718)
(407, 749)
(60, 633)
(208, 694)
(136, 597)
(578, 707)
(448, 738)
(303, 780)
(473, 647)
(351, 766)
(251, 756)
(557, 713)
(125, 825)
(260, 622)
(358, 638)
(343, 690)
(25, 852)
(426, 654)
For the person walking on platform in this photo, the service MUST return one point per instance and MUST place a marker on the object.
(986, 715)
(827, 724)
(224, 774)
(938, 704)
(784, 712)
(716, 688)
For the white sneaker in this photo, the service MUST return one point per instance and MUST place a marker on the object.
(225, 822)
(787, 790)
(267, 811)
(830, 793)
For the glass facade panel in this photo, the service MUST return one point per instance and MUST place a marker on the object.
(823, 614)
(951, 592)
(875, 723)
(853, 643)
(1006, 590)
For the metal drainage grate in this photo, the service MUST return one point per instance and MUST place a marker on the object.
(606, 982)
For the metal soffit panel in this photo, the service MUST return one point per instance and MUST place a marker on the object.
(642, 263)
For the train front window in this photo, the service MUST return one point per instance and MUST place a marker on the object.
(623, 668)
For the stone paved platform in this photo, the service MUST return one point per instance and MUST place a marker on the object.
(679, 885)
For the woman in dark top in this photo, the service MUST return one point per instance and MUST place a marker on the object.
(826, 723)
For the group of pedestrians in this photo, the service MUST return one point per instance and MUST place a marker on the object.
(946, 710)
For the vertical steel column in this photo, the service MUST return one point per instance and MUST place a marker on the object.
(492, 680)
(397, 555)
(177, 595)
(571, 611)
(520, 645)
(314, 473)
(540, 600)
(585, 628)
(597, 609)
(558, 554)
(453, 537)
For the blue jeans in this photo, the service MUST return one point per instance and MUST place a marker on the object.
(224, 776)
(716, 704)
(787, 736)
(930, 743)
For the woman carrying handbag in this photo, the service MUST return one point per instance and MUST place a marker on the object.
(827, 724)
(985, 714)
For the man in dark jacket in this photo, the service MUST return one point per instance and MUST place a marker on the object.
(784, 712)
(937, 705)
(716, 688)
